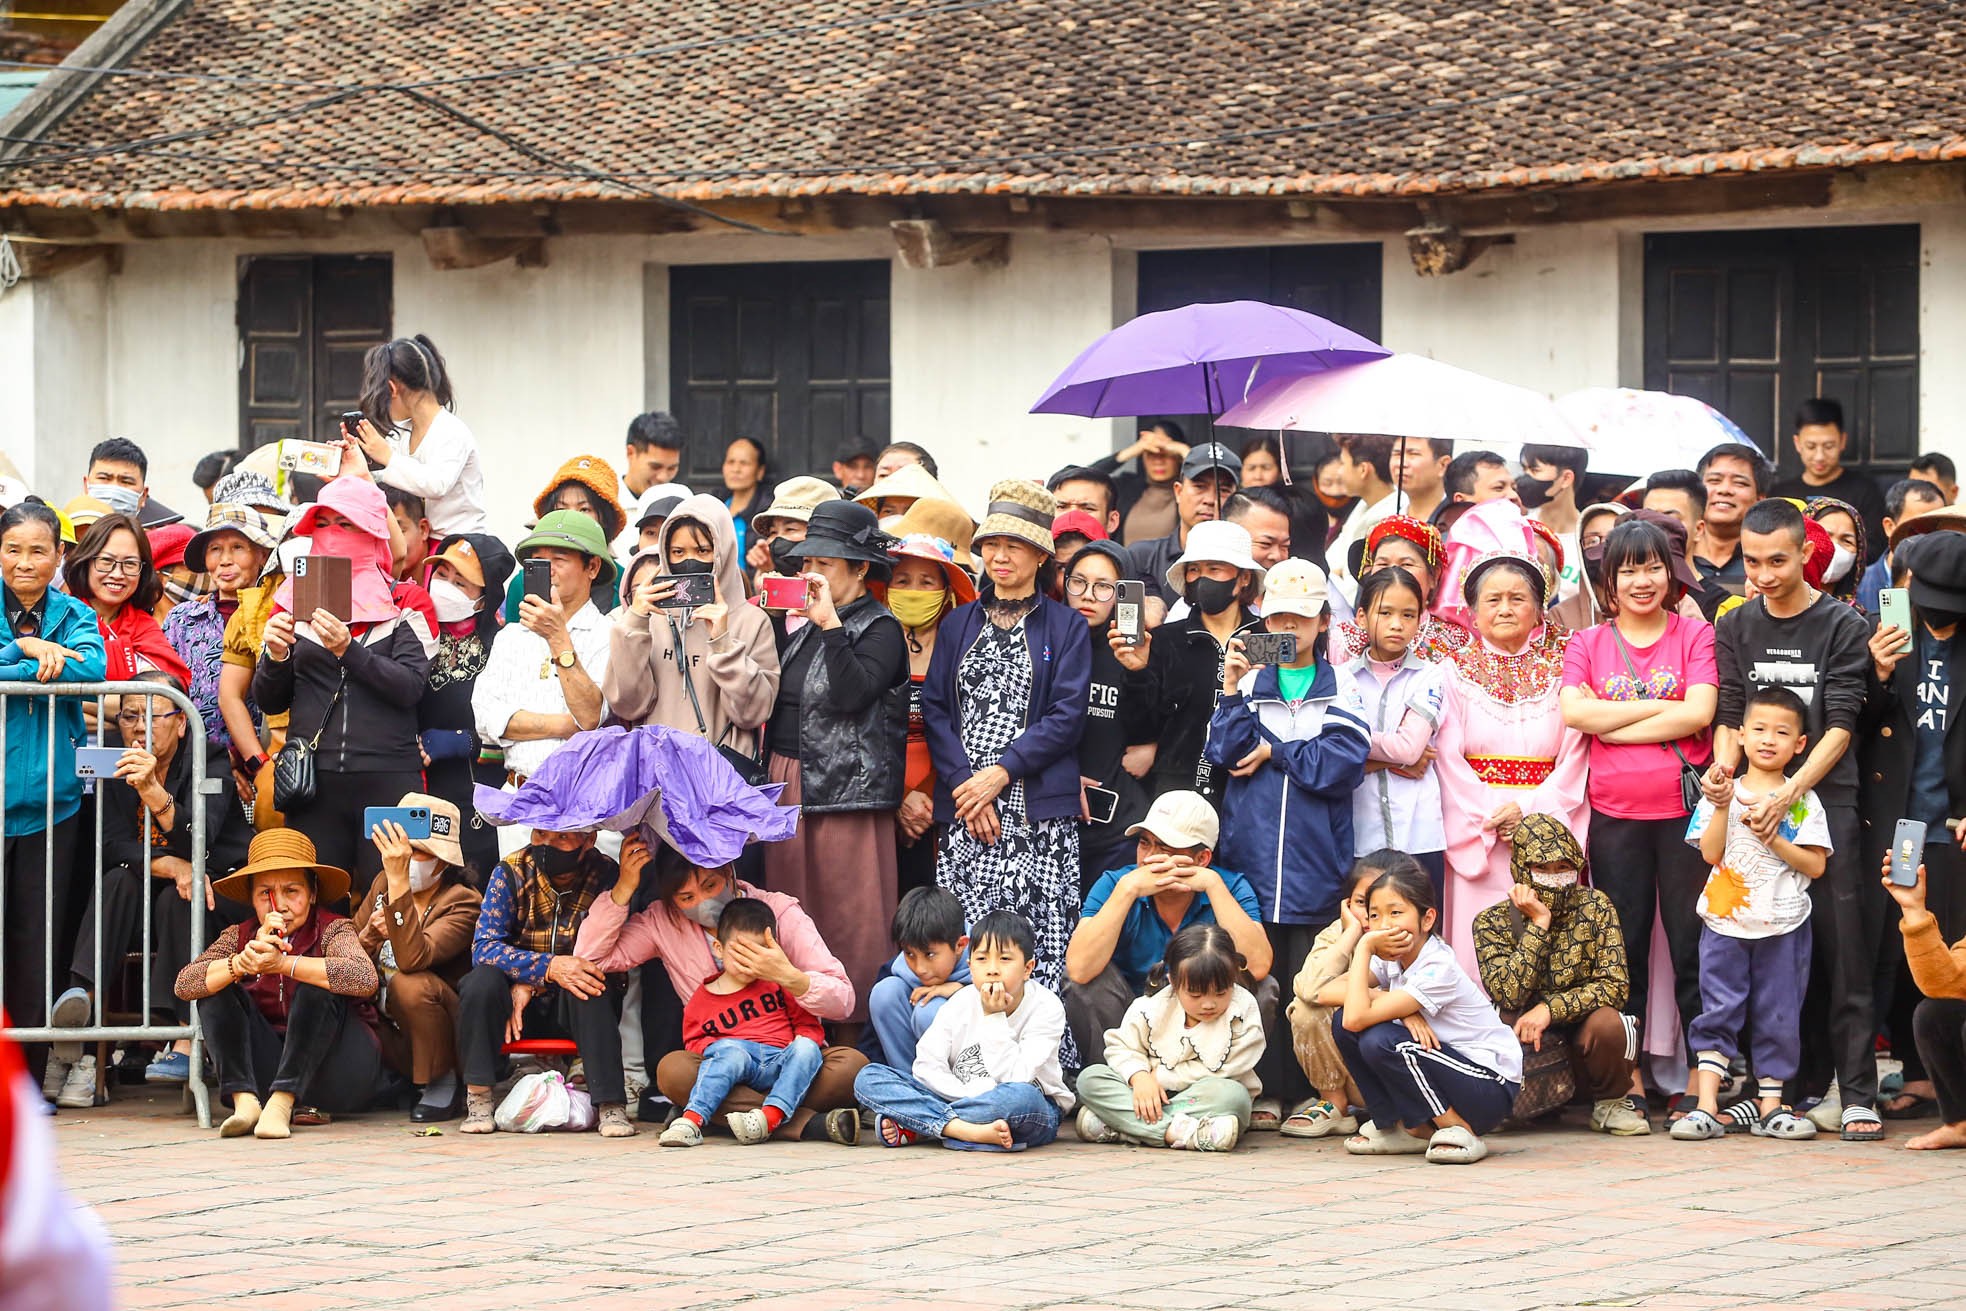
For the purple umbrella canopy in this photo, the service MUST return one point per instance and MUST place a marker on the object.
(1199, 359)
(673, 786)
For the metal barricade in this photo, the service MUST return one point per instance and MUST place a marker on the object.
(56, 971)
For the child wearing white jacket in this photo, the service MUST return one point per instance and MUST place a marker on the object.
(1180, 1070)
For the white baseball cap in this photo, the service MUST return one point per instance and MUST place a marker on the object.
(1181, 820)
(1295, 587)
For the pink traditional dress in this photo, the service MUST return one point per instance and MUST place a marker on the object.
(1502, 738)
(1439, 639)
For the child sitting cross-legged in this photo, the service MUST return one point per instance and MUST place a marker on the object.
(1180, 1070)
(932, 967)
(748, 1030)
(986, 1075)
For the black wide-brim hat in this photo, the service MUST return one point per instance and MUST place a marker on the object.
(1938, 570)
(844, 530)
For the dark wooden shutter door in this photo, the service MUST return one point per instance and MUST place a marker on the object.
(792, 355)
(1755, 322)
(305, 323)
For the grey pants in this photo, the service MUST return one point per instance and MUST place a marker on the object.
(1111, 1099)
(1092, 1008)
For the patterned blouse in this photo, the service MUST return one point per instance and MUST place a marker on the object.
(196, 631)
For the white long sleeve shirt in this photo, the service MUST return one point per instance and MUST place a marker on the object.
(966, 1052)
(520, 675)
(1155, 1035)
(445, 472)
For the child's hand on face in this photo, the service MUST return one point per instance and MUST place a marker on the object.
(996, 998)
(1388, 944)
(1148, 1099)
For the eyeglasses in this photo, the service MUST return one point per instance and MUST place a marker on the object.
(114, 564)
(1100, 589)
(131, 718)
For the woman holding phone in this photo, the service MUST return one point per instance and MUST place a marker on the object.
(412, 438)
(1117, 750)
(352, 684)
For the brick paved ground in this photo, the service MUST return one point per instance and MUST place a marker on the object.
(363, 1215)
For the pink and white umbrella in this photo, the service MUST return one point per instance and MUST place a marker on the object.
(1640, 432)
(1406, 396)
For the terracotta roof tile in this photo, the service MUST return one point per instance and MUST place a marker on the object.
(1041, 97)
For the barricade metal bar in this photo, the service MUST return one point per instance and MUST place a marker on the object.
(145, 1030)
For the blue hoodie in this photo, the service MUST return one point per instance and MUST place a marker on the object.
(1288, 826)
(70, 623)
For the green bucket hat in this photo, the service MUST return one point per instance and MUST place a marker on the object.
(570, 530)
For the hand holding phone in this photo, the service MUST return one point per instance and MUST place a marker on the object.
(689, 591)
(1261, 648)
(539, 578)
(1907, 852)
(784, 592)
(1130, 610)
(1894, 609)
(413, 820)
(323, 582)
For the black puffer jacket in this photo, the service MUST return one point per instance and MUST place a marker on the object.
(853, 712)
(372, 727)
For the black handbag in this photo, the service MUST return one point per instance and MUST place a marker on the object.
(294, 782)
(1690, 775)
(749, 768)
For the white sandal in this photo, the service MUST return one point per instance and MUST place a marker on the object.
(1371, 1140)
(1455, 1146)
(1317, 1118)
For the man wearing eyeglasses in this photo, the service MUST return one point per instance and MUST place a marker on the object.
(153, 782)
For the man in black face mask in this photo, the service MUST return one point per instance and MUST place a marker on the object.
(1548, 490)
(525, 981)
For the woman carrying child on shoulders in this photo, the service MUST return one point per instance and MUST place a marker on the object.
(1180, 1070)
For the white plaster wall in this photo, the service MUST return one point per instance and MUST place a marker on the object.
(17, 349)
(170, 343)
(69, 363)
(1942, 333)
(974, 346)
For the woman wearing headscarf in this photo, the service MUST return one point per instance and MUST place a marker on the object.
(465, 577)
(284, 998)
(352, 686)
(838, 740)
(1416, 547)
(1553, 958)
(1845, 565)
(927, 584)
(1503, 750)
(1005, 705)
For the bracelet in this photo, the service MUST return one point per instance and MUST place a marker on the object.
(232, 967)
(293, 963)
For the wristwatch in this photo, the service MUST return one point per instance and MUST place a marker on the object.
(566, 659)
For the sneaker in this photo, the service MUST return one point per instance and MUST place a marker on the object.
(682, 1133)
(78, 1090)
(1181, 1131)
(71, 1011)
(1827, 1114)
(478, 1113)
(1218, 1133)
(748, 1127)
(1619, 1118)
(169, 1067)
(614, 1121)
(52, 1081)
(1092, 1129)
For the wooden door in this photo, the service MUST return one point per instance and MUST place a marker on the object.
(1753, 323)
(305, 322)
(792, 355)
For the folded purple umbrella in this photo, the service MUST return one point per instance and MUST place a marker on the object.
(1199, 359)
(674, 786)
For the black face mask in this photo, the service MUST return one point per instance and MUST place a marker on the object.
(690, 567)
(1533, 491)
(553, 862)
(1594, 569)
(1212, 596)
(1940, 618)
(782, 561)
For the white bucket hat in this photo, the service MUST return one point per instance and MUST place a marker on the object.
(1214, 542)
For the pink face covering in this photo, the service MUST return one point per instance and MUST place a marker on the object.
(373, 603)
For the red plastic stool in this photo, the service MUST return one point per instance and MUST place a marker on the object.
(542, 1047)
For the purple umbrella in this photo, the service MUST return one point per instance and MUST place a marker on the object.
(1199, 359)
(673, 786)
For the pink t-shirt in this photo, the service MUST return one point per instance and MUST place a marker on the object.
(1642, 782)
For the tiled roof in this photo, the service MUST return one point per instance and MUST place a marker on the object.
(744, 98)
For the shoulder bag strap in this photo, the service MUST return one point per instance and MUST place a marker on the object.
(1632, 669)
(328, 714)
(677, 640)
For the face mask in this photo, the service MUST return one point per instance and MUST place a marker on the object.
(346, 542)
(453, 606)
(121, 499)
(1940, 618)
(1212, 596)
(1555, 882)
(423, 873)
(781, 558)
(1533, 491)
(690, 567)
(1331, 502)
(553, 862)
(291, 550)
(888, 523)
(916, 609)
(706, 910)
(1840, 561)
(1594, 569)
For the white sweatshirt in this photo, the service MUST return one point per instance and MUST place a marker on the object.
(1155, 1035)
(966, 1052)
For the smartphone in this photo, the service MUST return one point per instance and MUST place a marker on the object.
(97, 762)
(1907, 850)
(1130, 610)
(413, 820)
(1894, 608)
(783, 592)
(323, 582)
(539, 578)
(351, 421)
(1101, 803)
(693, 590)
(322, 459)
(1269, 648)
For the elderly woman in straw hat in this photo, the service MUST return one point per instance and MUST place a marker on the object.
(1004, 705)
(283, 998)
(416, 923)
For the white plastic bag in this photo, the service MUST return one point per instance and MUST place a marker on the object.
(580, 1111)
(537, 1102)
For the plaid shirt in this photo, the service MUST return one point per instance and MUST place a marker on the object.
(526, 922)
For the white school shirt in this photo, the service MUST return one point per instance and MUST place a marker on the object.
(1752, 892)
(520, 675)
(445, 472)
(1358, 525)
(966, 1053)
(1388, 809)
(1459, 1012)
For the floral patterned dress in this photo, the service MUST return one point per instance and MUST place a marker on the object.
(1033, 868)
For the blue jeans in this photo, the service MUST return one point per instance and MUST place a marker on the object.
(782, 1073)
(899, 1022)
(1032, 1116)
